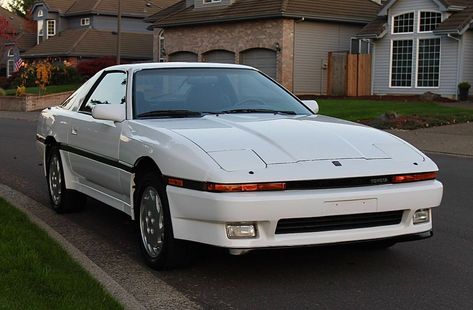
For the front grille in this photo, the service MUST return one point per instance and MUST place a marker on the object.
(338, 222)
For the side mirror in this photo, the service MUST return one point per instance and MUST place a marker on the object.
(312, 105)
(109, 112)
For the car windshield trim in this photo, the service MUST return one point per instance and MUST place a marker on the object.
(169, 113)
(237, 111)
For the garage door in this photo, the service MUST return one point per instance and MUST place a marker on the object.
(260, 58)
(219, 56)
(183, 57)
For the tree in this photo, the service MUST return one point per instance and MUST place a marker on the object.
(21, 7)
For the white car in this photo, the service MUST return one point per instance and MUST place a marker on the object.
(223, 155)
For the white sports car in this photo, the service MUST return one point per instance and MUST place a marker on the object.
(223, 155)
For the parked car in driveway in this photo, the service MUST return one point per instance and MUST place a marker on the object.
(223, 155)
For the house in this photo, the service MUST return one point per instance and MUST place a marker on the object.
(82, 29)
(421, 46)
(287, 39)
(16, 36)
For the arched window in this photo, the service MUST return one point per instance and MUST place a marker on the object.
(11, 53)
(428, 21)
(403, 23)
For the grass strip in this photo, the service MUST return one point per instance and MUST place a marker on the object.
(36, 273)
(52, 89)
(414, 114)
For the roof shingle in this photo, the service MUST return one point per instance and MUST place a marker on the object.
(83, 42)
(356, 11)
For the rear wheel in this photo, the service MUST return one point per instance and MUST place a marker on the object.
(62, 199)
(158, 246)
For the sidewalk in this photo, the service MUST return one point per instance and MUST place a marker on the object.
(25, 116)
(453, 139)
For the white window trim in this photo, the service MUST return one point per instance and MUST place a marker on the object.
(40, 13)
(401, 33)
(417, 63)
(391, 65)
(428, 11)
(11, 53)
(210, 1)
(85, 21)
(47, 27)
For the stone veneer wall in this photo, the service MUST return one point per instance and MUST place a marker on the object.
(238, 37)
(32, 102)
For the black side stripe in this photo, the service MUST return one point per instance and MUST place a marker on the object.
(99, 158)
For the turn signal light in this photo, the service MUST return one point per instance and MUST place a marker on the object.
(246, 187)
(405, 178)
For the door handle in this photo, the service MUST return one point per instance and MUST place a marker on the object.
(74, 131)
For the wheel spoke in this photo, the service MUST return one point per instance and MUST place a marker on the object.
(151, 222)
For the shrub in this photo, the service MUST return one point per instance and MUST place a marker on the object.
(2, 92)
(464, 85)
(88, 68)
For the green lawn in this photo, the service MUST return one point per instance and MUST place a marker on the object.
(52, 89)
(36, 273)
(369, 111)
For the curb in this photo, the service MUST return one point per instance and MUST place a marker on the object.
(22, 202)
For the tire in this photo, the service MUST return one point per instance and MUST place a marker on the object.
(154, 227)
(62, 200)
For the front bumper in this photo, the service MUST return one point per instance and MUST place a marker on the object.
(202, 216)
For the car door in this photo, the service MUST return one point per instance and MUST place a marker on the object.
(93, 143)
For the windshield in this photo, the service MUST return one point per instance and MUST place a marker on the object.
(196, 91)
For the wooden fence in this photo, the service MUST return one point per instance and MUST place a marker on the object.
(349, 74)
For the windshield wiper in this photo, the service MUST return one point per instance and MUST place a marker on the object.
(236, 111)
(170, 113)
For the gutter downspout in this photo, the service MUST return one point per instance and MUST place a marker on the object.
(459, 63)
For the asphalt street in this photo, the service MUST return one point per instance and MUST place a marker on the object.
(431, 274)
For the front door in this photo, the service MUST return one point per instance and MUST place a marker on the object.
(95, 143)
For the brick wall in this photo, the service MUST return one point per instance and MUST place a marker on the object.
(31, 102)
(238, 37)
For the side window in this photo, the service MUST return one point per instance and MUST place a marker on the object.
(111, 90)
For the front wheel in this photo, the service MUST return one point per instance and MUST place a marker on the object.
(158, 246)
(62, 199)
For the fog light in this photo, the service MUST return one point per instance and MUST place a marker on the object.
(421, 216)
(241, 231)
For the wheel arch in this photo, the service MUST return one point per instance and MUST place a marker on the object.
(142, 166)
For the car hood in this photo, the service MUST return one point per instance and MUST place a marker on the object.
(272, 139)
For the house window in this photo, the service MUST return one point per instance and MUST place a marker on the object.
(162, 52)
(10, 62)
(428, 21)
(10, 67)
(40, 13)
(403, 23)
(428, 64)
(85, 21)
(40, 31)
(51, 27)
(401, 64)
(211, 1)
(360, 46)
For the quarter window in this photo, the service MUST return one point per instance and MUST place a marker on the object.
(51, 27)
(429, 21)
(401, 65)
(110, 90)
(428, 66)
(403, 23)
